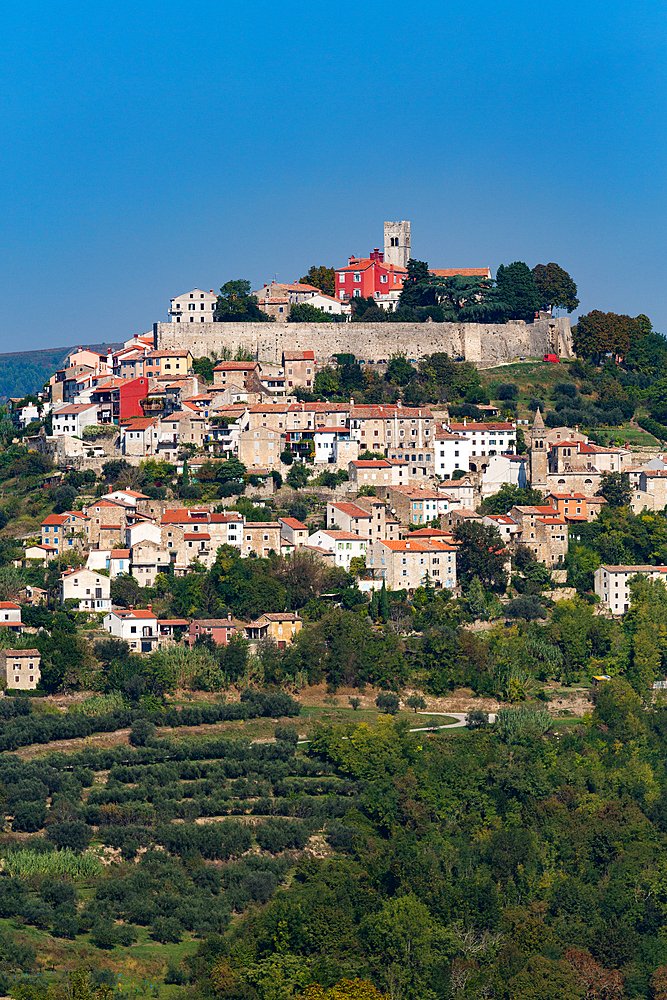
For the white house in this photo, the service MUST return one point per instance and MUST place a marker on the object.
(612, 584)
(10, 616)
(344, 544)
(504, 469)
(451, 452)
(138, 627)
(380, 473)
(91, 589)
(196, 306)
(72, 419)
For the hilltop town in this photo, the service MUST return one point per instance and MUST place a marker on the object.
(305, 592)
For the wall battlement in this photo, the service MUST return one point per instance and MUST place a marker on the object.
(485, 344)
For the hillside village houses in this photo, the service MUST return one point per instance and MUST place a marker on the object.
(157, 407)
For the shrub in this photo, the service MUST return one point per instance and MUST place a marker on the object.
(141, 733)
(477, 718)
(280, 834)
(29, 817)
(74, 835)
(167, 930)
(388, 702)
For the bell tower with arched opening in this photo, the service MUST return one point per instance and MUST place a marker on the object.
(397, 243)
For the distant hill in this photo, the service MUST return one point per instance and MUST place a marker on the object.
(27, 371)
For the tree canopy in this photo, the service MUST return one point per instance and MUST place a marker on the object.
(321, 277)
(555, 287)
(518, 290)
(236, 304)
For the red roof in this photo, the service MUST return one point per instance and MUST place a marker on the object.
(292, 522)
(9, 606)
(299, 355)
(55, 519)
(190, 536)
(352, 510)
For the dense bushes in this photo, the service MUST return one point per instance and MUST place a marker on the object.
(23, 729)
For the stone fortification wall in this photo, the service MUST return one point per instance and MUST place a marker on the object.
(485, 344)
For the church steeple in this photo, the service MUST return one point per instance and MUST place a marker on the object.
(538, 452)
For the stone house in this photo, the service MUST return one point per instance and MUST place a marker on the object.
(148, 560)
(299, 367)
(543, 530)
(282, 627)
(260, 538)
(261, 447)
(408, 563)
(293, 532)
(384, 472)
(20, 668)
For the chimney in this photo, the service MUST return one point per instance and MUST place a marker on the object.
(150, 607)
(229, 616)
(131, 607)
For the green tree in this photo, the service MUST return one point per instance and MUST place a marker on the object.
(305, 312)
(204, 368)
(476, 599)
(388, 702)
(597, 334)
(417, 278)
(321, 277)
(517, 289)
(327, 381)
(383, 604)
(555, 287)
(545, 979)
(297, 477)
(236, 304)
(510, 495)
(481, 553)
(615, 488)
(399, 370)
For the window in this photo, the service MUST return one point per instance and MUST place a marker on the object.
(357, 276)
(383, 279)
(133, 629)
(341, 277)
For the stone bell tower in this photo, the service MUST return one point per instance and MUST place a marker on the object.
(397, 243)
(538, 452)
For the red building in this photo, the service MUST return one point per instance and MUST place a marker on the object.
(119, 399)
(368, 276)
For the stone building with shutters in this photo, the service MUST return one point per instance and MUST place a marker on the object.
(20, 668)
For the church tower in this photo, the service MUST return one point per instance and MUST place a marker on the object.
(397, 243)
(538, 452)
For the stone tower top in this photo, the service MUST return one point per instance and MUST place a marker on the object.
(397, 243)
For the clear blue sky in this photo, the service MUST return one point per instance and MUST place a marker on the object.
(151, 148)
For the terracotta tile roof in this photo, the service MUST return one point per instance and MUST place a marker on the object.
(235, 366)
(277, 616)
(9, 606)
(341, 535)
(299, 355)
(380, 464)
(141, 424)
(55, 519)
(292, 522)
(351, 509)
(191, 536)
(175, 352)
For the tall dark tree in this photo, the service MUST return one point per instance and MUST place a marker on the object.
(415, 283)
(321, 277)
(615, 488)
(556, 288)
(518, 290)
(236, 304)
(481, 553)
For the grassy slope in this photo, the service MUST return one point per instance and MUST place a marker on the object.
(537, 379)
